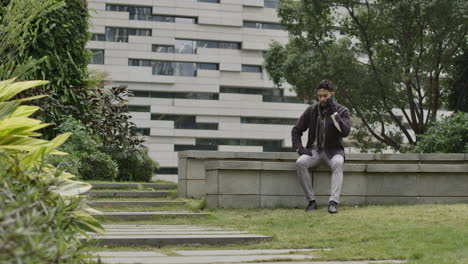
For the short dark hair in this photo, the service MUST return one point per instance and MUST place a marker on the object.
(327, 85)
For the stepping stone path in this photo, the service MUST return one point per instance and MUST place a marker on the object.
(305, 256)
(145, 215)
(161, 235)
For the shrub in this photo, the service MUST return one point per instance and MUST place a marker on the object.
(69, 163)
(449, 135)
(135, 166)
(97, 166)
(93, 164)
(42, 218)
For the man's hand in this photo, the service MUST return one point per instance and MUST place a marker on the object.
(331, 106)
(303, 151)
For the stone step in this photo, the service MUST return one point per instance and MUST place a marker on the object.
(128, 194)
(156, 186)
(200, 259)
(145, 215)
(162, 235)
(227, 256)
(135, 203)
(164, 240)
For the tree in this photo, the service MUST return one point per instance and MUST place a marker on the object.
(388, 59)
(458, 97)
(46, 40)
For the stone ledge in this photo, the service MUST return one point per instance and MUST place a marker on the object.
(285, 156)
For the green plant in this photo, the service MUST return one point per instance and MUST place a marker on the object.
(93, 164)
(111, 121)
(449, 135)
(97, 166)
(135, 166)
(42, 215)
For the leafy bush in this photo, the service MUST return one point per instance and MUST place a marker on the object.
(92, 164)
(449, 135)
(42, 218)
(135, 166)
(70, 163)
(97, 166)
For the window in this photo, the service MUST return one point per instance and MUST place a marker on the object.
(169, 19)
(271, 3)
(229, 45)
(249, 24)
(272, 26)
(163, 48)
(142, 131)
(266, 120)
(264, 25)
(185, 122)
(207, 44)
(176, 95)
(208, 66)
(185, 69)
(268, 94)
(121, 34)
(251, 68)
(98, 56)
(135, 12)
(173, 67)
(185, 46)
(139, 93)
(163, 68)
(138, 62)
(139, 108)
(194, 147)
(98, 37)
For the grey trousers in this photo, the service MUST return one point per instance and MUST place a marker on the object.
(305, 162)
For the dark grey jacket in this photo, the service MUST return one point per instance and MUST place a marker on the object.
(333, 137)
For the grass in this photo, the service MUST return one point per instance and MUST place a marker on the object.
(421, 234)
(133, 182)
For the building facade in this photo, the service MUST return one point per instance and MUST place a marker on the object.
(195, 70)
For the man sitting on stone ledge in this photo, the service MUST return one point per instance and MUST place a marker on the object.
(328, 123)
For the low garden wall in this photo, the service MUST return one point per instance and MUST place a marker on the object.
(252, 180)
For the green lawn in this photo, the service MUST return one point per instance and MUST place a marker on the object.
(133, 182)
(423, 234)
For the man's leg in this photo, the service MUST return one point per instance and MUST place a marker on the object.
(336, 165)
(303, 164)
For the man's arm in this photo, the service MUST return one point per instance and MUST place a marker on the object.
(301, 125)
(342, 122)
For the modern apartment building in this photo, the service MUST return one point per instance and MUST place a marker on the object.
(195, 69)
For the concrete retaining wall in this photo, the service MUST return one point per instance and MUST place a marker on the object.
(240, 180)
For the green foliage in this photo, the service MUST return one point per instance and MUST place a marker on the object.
(135, 166)
(41, 215)
(449, 135)
(390, 55)
(70, 163)
(110, 120)
(46, 39)
(92, 163)
(97, 166)
(458, 97)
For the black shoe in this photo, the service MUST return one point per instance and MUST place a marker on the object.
(312, 206)
(332, 207)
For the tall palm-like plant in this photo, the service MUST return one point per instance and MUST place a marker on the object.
(42, 215)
